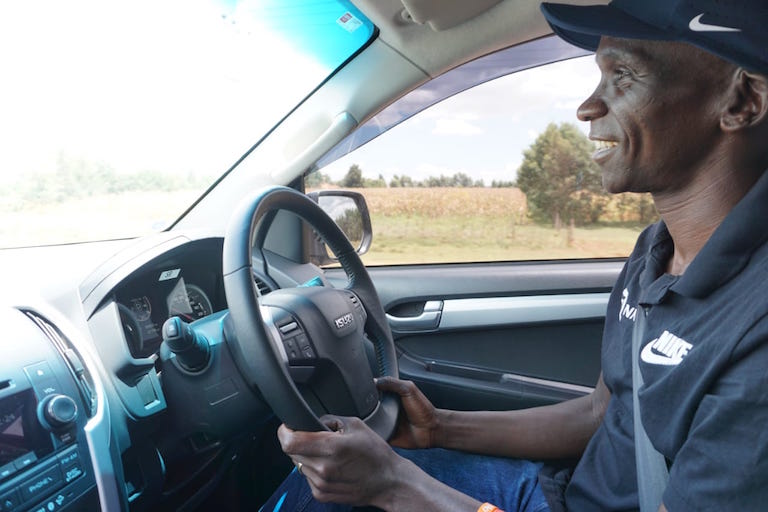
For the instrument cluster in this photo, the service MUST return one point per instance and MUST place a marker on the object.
(146, 301)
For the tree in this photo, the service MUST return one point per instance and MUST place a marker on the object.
(379, 182)
(353, 178)
(316, 179)
(559, 178)
(401, 181)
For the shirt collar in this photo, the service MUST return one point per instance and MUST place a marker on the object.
(654, 281)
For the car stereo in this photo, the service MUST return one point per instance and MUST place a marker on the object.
(41, 460)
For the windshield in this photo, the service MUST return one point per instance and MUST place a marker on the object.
(116, 116)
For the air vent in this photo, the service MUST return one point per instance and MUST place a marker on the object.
(71, 358)
(261, 285)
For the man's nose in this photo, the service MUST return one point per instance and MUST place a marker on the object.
(592, 108)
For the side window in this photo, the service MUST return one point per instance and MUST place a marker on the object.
(499, 172)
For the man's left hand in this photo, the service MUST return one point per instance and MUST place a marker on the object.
(350, 464)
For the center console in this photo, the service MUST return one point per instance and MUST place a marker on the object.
(45, 403)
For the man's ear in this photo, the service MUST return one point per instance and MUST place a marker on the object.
(747, 101)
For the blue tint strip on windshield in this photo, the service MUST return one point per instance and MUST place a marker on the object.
(333, 30)
(329, 30)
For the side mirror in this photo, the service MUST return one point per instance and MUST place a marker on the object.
(350, 212)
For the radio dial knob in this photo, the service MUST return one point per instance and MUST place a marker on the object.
(60, 411)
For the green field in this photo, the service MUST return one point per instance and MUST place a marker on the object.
(103, 217)
(417, 225)
(416, 239)
(410, 225)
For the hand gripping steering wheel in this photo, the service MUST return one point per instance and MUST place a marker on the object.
(304, 347)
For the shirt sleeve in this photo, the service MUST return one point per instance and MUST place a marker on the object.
(723, 464)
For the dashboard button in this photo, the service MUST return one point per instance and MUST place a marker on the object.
(10, 501)
(42, 484)
(7, 470)
(39, 372)
(72, 472)
(25, 461)
(54, 502)
(69, 457)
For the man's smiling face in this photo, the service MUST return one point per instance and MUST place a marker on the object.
(655, 114)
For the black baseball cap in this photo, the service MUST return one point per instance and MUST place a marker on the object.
(735, 30)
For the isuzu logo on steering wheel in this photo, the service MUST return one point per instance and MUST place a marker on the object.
(344, 321)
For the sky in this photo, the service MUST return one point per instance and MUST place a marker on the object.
(481, 132)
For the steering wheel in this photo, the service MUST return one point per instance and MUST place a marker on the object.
(304, 347)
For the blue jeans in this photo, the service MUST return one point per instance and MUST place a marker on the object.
(510, 484)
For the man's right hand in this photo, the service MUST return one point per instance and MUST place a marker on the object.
(419, 419)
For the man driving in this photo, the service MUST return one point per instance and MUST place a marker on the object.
(678, 417)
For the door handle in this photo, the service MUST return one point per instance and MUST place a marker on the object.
(428, 320)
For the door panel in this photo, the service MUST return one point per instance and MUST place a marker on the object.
(498, 336)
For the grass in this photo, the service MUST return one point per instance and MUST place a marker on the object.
(420, 239)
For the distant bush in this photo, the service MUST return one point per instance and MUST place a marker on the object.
(77, 178)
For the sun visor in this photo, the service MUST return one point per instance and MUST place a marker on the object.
(444, 14)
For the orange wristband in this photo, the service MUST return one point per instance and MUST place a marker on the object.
(487, 507)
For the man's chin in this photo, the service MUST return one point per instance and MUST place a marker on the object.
(619, 180)
(614, 184)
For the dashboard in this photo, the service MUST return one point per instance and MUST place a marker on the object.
(110, 419)
(149, 433)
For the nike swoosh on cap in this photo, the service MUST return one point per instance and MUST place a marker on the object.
(697, 26)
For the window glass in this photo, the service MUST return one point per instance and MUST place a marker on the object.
(117, 115)
(498, 172)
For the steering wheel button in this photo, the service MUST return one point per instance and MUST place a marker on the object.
(302, 341)
(285, 329)
(307, 353)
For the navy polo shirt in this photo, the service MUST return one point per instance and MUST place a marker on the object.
(704, 360)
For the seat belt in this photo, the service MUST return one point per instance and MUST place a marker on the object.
(652, 472)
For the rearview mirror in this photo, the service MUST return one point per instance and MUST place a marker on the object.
(350, 212)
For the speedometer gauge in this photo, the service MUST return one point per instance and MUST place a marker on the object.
(191, 304)
(141, 308)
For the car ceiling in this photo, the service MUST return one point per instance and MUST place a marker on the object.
(436, 35)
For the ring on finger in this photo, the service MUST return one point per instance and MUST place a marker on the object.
(299, 465)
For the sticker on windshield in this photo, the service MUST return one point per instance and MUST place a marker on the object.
(349, 23)
(169, 274)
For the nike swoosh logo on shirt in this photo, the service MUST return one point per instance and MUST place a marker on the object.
(697, 26)
(666, 350)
